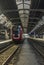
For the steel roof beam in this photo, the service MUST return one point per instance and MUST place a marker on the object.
(37, 10)
(34, 18)
(17, 18)
(17, 23)
(22, 3)
(24, 13)
(31, 22)
(14, 18)
(25, 17)
(31, 18)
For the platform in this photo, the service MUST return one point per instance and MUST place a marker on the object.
(37, 39)
(27, 55)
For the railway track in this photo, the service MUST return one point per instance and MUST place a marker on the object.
(5, 48)
(15, 57)
(7, 54)
(39, 54)
(38, 48)
(41, 43)
(5, 45)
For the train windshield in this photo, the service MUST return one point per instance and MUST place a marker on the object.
(15, 33)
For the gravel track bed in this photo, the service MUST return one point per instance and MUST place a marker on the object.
(6, 54)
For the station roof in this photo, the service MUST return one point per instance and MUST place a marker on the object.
(24, 12)
(36, 13)
(8, 8)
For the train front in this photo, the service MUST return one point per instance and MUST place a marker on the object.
(17, 34)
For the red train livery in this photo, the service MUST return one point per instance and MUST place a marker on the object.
(17, 34)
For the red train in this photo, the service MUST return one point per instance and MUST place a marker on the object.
(17, 34)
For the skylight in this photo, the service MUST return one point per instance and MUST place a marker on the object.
(23, 4)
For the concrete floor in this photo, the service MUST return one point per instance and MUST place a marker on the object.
(27, 56)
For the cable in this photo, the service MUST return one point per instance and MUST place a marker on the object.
(35, 12)
(37, 6)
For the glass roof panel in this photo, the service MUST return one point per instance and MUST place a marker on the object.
(26, 6)
(27, 1)
(20, 6)
(27, 11)
(21, 11)
(23, 15)
(18, 1)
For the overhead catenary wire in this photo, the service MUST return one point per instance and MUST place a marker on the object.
(35, 5)
(35, 12)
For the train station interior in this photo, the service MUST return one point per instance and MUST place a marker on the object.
(28, 17)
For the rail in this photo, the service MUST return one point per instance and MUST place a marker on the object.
(5, 44)
(38, 44)
(7, 55)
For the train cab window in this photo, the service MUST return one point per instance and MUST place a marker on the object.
(15, 33)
